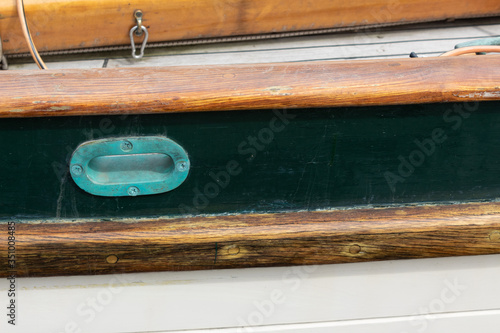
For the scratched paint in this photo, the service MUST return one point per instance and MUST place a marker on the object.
(321, 159)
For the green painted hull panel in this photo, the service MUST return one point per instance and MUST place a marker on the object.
(265, 161)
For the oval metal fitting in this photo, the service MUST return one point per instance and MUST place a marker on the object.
(130, 166)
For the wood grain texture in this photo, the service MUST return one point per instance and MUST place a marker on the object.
(247, 87)
(57, 24)
(253, 240)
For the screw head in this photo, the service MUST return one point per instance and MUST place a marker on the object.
(133, 191)
(126, 146)
(77, 169)
(138, 13)
(182, 166)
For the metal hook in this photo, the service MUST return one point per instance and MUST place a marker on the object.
(143, 46)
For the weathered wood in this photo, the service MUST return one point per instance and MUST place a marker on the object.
(429, 41)
(247, 87)
(210, 242)
(57, 24)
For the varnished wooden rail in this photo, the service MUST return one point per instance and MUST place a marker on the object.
(58, 24)
(248, 87)
(254, 240)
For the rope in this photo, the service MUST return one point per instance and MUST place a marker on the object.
(471, 49)
(27, 35)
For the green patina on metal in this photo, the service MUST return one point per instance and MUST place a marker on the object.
(129, 166)
(264, 161)
(479, 42)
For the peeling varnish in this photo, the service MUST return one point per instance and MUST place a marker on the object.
(483, 94)
(325, 210)
(60, 108)
(278, 90)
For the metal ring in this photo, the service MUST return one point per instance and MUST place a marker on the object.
(143, 46)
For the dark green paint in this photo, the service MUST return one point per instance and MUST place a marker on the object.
(321, 158)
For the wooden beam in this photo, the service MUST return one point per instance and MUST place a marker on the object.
(45, 248)
(248, 87)
(58, 25)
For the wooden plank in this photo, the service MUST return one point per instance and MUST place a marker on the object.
(389, 293)
(379, 50)
(79, 64)
(58, 24)
(252, 240)
(380, 43)
(245, 87)
(371, 44)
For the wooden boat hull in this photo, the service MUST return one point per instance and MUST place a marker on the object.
(275, 179)
(101, 246)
